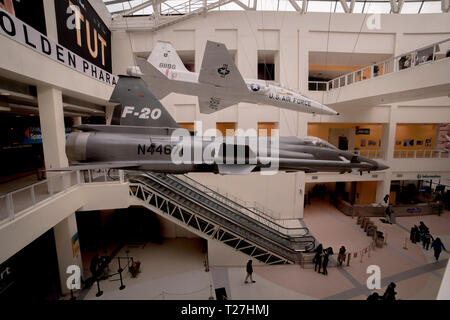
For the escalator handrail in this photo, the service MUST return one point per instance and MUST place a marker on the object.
(243, 209)
(277, 245)
(153, 177)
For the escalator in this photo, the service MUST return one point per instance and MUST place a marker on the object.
(211, 215)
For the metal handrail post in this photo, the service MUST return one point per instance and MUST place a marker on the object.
(10, 206)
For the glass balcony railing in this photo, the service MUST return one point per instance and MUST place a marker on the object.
(436, 51)
(13, 204)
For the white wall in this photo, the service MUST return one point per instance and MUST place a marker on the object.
(292, 37)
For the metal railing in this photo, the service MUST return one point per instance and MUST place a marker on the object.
(411, 59)
(240, 206)
(371, 154)
(422, 154)
(317, 85)
(13, 204)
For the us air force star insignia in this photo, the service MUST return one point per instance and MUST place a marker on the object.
(223, 71)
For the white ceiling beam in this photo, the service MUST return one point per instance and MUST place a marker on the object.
(396, 6)
(345, 6)
(296, 6)
(139, 7)
(239, 3)
(445, 5)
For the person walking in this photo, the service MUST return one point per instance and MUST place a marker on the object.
(426, 240)
(412, 234)
(317, 260)
(342, 255)
(249, 272)
(325, 262)
(437, 245)
(389, 294)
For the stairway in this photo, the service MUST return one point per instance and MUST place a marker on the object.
(200, 209)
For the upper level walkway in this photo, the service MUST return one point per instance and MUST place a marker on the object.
(26, 213)
(419, 74)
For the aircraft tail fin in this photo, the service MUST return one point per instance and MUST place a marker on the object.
(138, 106)
(164, 56)
(154, 78)
(219, 69)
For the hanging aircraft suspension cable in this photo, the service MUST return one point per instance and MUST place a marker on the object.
(129, 33)
(279, 58)
(326, 54)
(353, 50)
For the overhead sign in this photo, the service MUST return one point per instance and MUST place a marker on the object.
(29, 11)
(428, 176)
(81, 30)
(362, 131)
(13, 28)
(34, 135)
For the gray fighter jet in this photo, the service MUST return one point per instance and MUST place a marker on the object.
(144, 136)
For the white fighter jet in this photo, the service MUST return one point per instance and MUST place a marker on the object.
(219, 83)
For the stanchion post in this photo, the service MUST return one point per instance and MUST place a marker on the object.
(405, 246)
(99, 292)
(348, 260)
(122, 286)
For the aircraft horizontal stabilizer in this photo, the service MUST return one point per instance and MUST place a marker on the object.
(218, 68)
(235, 168)
(213, 104)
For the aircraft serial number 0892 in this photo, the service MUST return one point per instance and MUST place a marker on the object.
(144, 113)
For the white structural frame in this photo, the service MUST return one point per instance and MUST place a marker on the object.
(181, 11)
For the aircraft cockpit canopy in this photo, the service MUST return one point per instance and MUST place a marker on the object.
(318, 142)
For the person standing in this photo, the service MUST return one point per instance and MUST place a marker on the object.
(317, 260)
(389, 294)
(249, 272)
(437, 245)
(342, 255)
(412, 235)
(427, 237)
(325, 262)
(95, 265)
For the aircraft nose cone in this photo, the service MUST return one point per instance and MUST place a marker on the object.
(327, 110)
(382, 166)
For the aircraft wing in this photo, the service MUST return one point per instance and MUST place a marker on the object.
(213, 104)
(97, 165)
(218, 68)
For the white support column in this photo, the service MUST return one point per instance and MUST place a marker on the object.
(76, 121)
(50, 20)
(388, 135)
(68, 253)
(396, 6)
(387, 145)
(51, 116)
(445, 5)
(109, 111)
(346, 7)
(383, 188)
(299, 196)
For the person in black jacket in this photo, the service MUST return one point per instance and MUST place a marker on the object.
(326, 254)
(94, 265)
(249, 272)
(317, 260)
(389, 294)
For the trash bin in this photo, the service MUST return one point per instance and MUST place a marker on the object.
(360, 219)
(372, 230)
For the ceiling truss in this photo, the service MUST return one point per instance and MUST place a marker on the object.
(167, 12)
